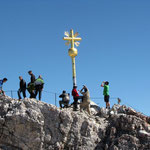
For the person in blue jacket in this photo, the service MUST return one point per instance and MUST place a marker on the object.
(1, 86)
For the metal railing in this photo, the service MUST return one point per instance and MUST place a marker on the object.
(56, 95)
(14, 92)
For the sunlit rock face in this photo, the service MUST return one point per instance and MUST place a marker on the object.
(33, 125)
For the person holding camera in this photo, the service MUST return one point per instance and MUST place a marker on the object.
(105, 85)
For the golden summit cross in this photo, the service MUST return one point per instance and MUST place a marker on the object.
(72, 38)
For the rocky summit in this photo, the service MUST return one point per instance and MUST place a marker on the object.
(34, 125)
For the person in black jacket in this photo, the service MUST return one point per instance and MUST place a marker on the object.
(22, 88)
(32, 76)
(30, 87)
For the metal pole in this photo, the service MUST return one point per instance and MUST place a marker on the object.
(72, 38)
(74, 71)
(55, 99)
(11, 94)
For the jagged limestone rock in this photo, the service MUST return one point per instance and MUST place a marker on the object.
(34, 125)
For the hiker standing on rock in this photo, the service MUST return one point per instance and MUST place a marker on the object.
(32, 76)
(105, 85)
(1, 86)
(22, 88)
(30, 87)
(85, 104)
(39, 85)
(75, 97)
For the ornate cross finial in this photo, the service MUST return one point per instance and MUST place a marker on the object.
(72, 38)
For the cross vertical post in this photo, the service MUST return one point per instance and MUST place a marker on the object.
(74, 72)
(73, 52)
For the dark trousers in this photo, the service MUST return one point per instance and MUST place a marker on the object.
(1, 92)
(63, 103)
(32, 94)
(75, 103)
(22, 91)
(38, 89)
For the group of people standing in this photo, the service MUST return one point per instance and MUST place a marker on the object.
(84, 99)
(34, 87)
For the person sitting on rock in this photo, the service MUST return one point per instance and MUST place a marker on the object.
(1, 86)
(65, 99)
(39, 85)
(85, 104)
(106, 93)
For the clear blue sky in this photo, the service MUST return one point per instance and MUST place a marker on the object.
(115, 46)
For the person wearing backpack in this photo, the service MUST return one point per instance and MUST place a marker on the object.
(65, 99)
(39, 85)
(1, 86)
(105, 85)
(22, 88)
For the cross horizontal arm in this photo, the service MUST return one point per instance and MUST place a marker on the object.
(74, 38)
(77, 39)
(67, 38)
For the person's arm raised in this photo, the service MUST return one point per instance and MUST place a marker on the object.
(102, 85)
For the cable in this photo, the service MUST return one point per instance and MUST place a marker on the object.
(92, 98)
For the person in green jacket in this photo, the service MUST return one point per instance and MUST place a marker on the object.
(39, 85)
(105, 85)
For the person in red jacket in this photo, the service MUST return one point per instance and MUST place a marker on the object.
(75, 97)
